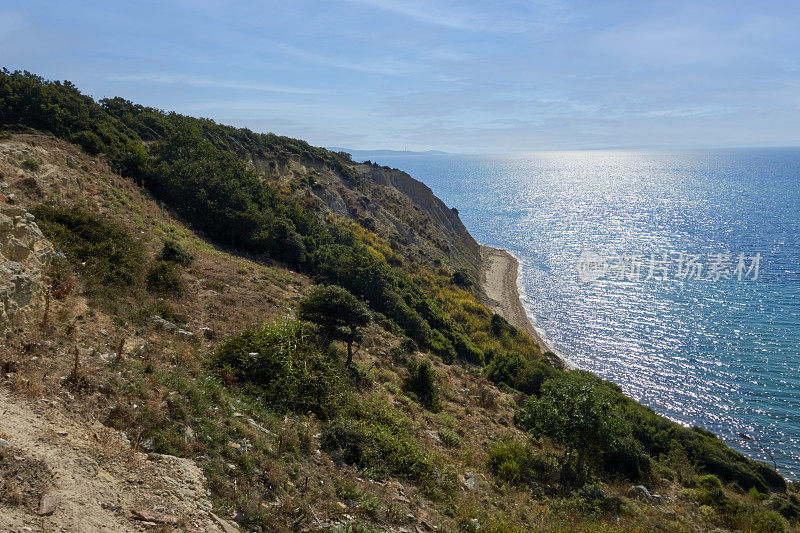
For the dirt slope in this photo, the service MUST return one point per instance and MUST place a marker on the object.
(92, 472)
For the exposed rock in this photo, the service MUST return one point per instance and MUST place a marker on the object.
(470, 481)
(185, 334)
(24, 254)
(658, 499)
(154, 518)
(462, 247)
(225, 525)
(4, 443)
(163, 323)
(48, 504)
(640, 491)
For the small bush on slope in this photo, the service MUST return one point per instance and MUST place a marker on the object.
(421, 381)
(518, 372)
(517, 464)
(162, 278)
(174, 252)
(103, 251)
(376, 437)
(285, 368)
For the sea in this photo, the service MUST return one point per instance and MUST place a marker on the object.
(675, 274)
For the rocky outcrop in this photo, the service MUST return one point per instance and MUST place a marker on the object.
(24, 254)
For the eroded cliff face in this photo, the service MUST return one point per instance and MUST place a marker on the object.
(389, 202)
(24, 255)
(461, 247)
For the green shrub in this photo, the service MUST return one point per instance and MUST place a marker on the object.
(287, 369)
(462, 278)
(577, 411)
(707, 490)
(517, 464)
(449, 437)
(110, 260)
(518, 372)
(466, 350)
(174, 252)
(164, 279)
(422, 382)
(500, 326)
(383, 450)
(32, 163)
(89, 141)
(408, 345)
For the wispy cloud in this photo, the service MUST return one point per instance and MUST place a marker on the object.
(451, 17)
(388, 66)
(220, 84)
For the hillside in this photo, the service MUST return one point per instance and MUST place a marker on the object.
(155, 375)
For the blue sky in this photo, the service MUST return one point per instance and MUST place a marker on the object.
(462, 76)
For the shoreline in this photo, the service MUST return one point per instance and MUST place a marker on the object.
(499, 273)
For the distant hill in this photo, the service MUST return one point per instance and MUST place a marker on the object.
(371, 154)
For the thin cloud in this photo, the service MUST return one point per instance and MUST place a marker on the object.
(203, 82)
(388, 67)
(450, 18)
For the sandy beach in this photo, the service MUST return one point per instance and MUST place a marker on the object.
(499, 271)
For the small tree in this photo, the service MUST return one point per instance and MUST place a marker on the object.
(339, 314)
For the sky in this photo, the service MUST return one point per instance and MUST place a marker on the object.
(464, 76)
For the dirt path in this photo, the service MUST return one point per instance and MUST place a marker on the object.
(91, 472)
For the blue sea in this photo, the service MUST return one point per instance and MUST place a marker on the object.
(673, 274)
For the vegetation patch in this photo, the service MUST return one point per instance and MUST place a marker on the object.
(377, 439)
(175, 252)
(284, 367)
(110, 260)
(518, 464)
(422, 382)
(163, 278)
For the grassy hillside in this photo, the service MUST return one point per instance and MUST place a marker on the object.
(184, 253)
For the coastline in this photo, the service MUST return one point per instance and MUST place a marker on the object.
(499, 272)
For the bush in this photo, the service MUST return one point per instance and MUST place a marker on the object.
(288, 371)
(466, 350)
(110, 260)
(421, 381)
(174, 252)
(89, 141)
(517, 464)
(462, 278)
(513, 369)
(577, 411)
(381, 449)
(707, 490)
(162, 278)
(32, 163)
(449, 437)
(500, 326)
